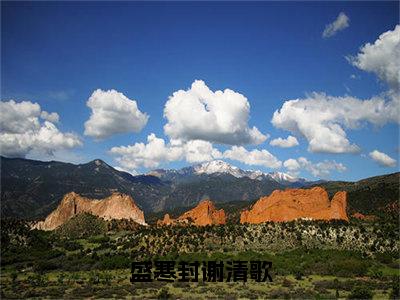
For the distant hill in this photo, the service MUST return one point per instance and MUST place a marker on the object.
(375, 195)
(32, 189)
(369, 196)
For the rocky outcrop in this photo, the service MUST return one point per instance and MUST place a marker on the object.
(166, 221)
(116, 206)
(363, 217)
(292, 204)
(203, 214)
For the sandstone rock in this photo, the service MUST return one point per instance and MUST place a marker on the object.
(361, 216)
(203, 214)
(116, 206)
(166, 221)
(292, 204)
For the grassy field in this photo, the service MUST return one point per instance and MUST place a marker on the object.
(115, 284)
(310, 260)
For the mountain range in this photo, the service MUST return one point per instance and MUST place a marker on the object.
(32, 189)
(220, 167)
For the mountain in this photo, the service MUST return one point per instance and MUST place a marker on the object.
(219, 167)
(32, 189)
(117, 206)
(292, 204)
(374, 195)
(203, 214)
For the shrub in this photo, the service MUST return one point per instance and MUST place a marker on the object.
(163, 294)
(72, 246)
(115, 262)
(395, 293)
(361, 292)
(99, 239)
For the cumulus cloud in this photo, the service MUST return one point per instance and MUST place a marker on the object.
(341, 22)
(113, 113)
(321, 119)
(290, 141)
(198, 151)
(291, 165)
(382, 159)
(381, 57)
(156, 152)
(319, 170)
(51, 117)
(219, 117)
(148, 155)
(253, 157)
(25, 128)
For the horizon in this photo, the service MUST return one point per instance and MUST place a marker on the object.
(307, 89)
(193, 165)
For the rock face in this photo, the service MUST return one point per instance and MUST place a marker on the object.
(166, 221)
(292, 204)
(203, 214)
(116, 206)
(360, 216)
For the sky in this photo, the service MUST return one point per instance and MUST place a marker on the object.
(306, 88)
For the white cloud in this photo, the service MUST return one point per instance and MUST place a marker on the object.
(321, 119)
(156, 151)
(253, 157)
(382, 57)
(319, 170)
(199, 151)
(148, 155)
(290, 141)
(382, 159)
(292, 165)
(19, 117)
(23, 132)
(132, 172)
(113, 113)
(341, 22)
(51, 117)
(201, 114)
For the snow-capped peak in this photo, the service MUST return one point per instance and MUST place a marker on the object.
(222, 167)
(282, 177)
(217, 166)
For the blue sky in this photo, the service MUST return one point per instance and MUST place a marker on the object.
(58, 54)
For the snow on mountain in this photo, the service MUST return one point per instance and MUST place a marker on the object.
(282, 177)
(222, 167)
(217, 166)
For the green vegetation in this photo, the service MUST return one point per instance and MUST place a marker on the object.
(316, 260)
(82, 226)
(381, 193)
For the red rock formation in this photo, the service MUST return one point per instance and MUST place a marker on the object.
(360, 216)
(291, 204)
(166, 221)
(117, 206)
(203, 214)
